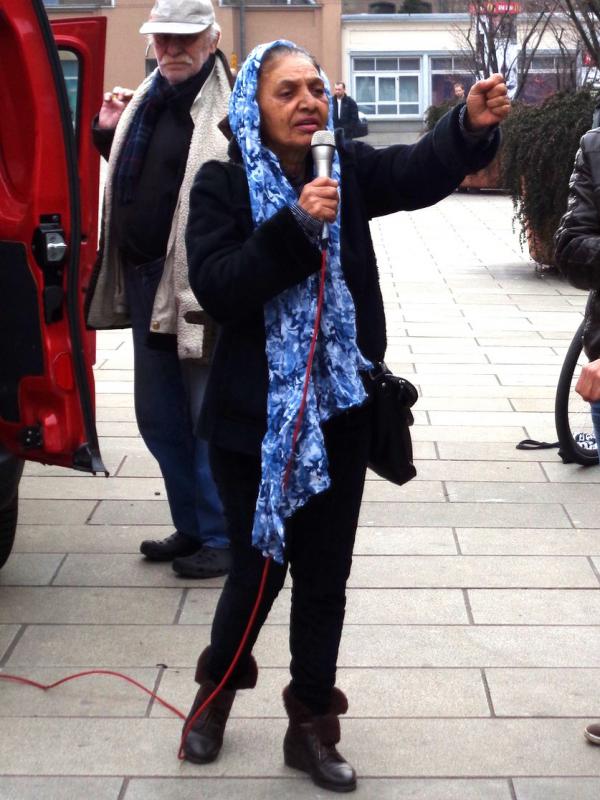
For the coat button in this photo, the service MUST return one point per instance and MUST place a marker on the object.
(155, 325)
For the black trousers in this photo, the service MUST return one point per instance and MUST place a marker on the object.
(320, 539)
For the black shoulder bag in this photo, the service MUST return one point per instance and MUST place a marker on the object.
(392, 397)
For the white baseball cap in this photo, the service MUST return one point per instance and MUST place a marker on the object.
(179, 17)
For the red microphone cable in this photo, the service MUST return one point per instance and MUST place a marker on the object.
(311, 354)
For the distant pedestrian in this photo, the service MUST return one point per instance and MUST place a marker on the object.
(345, 111)
(458, 92)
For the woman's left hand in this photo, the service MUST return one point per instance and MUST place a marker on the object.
(487, 103)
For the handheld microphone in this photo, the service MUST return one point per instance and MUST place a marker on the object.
(323, 148)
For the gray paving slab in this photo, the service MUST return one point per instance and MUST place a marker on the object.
(571, 473)
(102, 569)
(473, 571)
(30, 569)
(507, 492)
(59, 512)
(385, 748)
(535, 606)
(59, 788)
(476, 433)
(7, 636)
(86, 538)
(527, 541)
(373, 692)
(405, 541)
(139, 465)
(84, 488)
(22, 604)
(416, 491)
(480, 471)
(491, 451)
(362, 646)
(557, 788)
(130, 512)
(499, 515)
(364, 607)
(584, 515)
(545, 692)
(297, 789)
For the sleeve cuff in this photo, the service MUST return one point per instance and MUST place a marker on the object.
(310, 225)
(474, 138)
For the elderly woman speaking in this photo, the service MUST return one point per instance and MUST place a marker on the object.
(289, 453)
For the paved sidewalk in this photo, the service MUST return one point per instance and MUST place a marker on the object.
(471, 654)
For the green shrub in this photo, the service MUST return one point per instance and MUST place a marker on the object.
(435, 113)
(540, 143)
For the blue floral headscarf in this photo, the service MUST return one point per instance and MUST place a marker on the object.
(335, 383)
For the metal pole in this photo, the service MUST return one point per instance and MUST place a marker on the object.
(242, 30)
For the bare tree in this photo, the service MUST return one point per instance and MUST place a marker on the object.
(585, 16)
(504, 36)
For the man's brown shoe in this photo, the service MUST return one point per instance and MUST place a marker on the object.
(592, 733)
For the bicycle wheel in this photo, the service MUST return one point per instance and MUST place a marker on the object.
(572, 414)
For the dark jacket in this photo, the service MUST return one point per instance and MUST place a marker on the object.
(577, 239)
(348, 118)
(234, 269)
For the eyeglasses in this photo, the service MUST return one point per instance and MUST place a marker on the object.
(184, 39)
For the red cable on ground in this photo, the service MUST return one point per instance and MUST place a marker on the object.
(45, 687)
(311, 354)
(259, 596)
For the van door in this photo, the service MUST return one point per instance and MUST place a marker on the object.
(49, 178)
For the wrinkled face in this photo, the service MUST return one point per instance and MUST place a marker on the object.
(180, 56)
(339, 90)
(293, 104)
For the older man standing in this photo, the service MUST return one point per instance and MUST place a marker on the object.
(157, 138)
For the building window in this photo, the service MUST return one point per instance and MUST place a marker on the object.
(236, 3)
(77, 4)
(387, 86)
(446, 71)
(547, 74)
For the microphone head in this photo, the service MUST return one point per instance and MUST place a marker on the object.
(322, 137)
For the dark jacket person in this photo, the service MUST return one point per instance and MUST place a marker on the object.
(345, 111)
(252, 239)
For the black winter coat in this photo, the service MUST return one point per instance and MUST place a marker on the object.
(577, 239)
(234, 269)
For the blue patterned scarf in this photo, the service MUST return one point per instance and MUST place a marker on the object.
(335, 383)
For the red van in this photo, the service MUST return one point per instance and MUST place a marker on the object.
(51, 87)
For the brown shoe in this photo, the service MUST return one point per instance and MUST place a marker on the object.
(310, 743)
(205, 738)
(592, 733)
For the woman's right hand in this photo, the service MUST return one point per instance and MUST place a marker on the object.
(113, 105)
(320, 199)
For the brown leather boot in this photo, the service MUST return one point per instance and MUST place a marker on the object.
(310, 740)
(205, 739)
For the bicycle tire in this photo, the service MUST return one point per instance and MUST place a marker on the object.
(572, 415)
